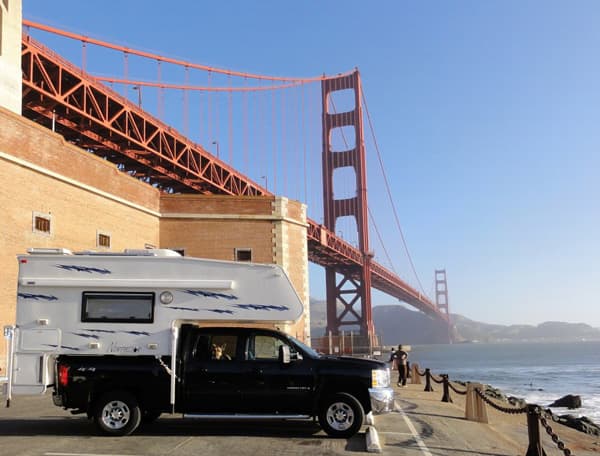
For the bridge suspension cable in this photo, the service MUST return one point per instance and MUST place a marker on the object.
(162, 58)
(206, 88)
(387, 255)
(371, 218)
(389, 193)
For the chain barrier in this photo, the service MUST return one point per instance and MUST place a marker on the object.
(509, 410)
(559, 443)
(453, 388)
(535, 415)
(441, 379)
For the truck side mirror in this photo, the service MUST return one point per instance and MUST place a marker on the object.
(284, 354)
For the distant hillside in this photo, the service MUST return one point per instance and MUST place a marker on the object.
(397, 324)
(394, 324)
(548, 331)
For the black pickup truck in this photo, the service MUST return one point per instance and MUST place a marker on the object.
(226, 373)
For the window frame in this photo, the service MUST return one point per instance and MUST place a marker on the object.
(119, 295)
(44, 216)
(238, 250)
(250, 348)
(231, 352)
(104, 234)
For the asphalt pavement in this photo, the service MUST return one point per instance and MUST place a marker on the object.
(421, 425)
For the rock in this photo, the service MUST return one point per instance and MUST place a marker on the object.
(582, 424)
(516, 401)
(495, 393)
(569, 401)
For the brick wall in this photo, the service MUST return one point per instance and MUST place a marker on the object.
(215, 226)
(41, 173)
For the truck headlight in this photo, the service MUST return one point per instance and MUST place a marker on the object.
(380, 378)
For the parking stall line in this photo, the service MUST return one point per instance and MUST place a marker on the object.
(87, 454)
(413, 431)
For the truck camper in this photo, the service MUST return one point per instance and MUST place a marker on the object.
(125, 337)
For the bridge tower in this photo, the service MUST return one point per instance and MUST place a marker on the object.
(441, 295)
(348, 285)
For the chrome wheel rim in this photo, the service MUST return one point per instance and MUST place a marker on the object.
(116, 415)
(340, 416)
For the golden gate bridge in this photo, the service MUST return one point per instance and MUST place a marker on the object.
(89, 112)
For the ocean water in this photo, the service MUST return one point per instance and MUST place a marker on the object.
(537, 372)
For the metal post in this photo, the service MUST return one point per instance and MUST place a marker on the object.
(533, 429)
(428, 386)
(446, 397)
(330, 344)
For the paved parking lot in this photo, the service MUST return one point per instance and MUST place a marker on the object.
(32, 426)
(421, 425)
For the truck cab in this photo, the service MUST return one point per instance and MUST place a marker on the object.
(228, 372)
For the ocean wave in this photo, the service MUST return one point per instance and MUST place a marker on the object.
(535, 372)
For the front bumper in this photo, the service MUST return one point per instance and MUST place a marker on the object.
(382, 400)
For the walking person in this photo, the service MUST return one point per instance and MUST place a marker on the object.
(400, 358)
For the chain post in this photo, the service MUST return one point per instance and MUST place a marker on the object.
(446, 397)
(428, 386)
(415, 378)
(533, 429)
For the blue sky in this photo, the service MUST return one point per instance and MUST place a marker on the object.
(486, 115)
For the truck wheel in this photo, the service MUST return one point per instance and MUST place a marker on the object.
(341, 415)
(117, 413)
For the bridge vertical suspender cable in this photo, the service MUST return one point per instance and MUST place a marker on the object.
(389, 193)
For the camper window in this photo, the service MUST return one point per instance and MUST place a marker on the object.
(118, 307)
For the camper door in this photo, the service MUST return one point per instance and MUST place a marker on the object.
(32, 363)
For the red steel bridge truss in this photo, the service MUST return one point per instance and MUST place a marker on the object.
(88, 113)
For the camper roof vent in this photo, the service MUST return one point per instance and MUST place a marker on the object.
(152, 252)
(133, 252)
(48, 251)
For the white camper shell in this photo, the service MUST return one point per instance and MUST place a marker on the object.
(130, 303)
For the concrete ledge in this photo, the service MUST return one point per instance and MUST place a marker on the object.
(370, 419)
(373, 444)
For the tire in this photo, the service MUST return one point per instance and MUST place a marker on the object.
(341, 415)
(117, 413)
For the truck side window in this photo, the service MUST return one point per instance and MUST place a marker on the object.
(265, 347)
(215, 347)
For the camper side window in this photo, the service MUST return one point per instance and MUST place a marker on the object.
(117, 307)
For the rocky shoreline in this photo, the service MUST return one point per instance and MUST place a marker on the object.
(582, 424)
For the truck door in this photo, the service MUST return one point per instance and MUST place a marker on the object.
(271, 386)
(211, 372)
